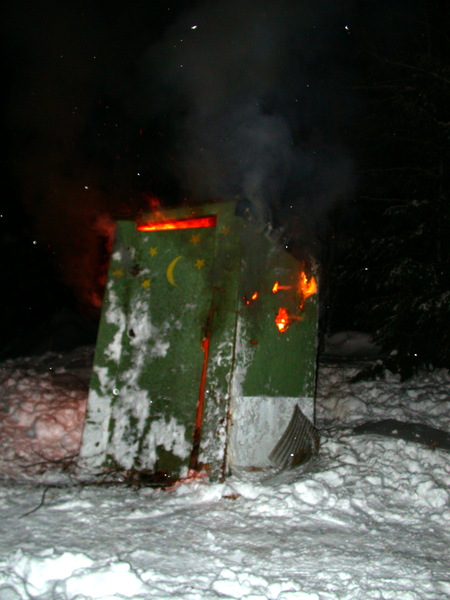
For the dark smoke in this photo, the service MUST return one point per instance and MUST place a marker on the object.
(259, 93)
(226, 99)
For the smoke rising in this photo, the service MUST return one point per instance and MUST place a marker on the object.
(256, 89)
(248, 98)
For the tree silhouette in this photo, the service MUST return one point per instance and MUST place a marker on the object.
(394, 268)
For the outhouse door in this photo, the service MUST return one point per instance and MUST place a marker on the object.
(163, 294)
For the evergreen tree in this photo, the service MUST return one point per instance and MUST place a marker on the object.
(395, 269)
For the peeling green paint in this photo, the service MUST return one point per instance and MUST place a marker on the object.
(166, 292)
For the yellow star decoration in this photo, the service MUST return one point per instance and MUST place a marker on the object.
(118, 273)
(225, 230)
(153, 251)
(195, 239)
(199, 263)
(146, 283)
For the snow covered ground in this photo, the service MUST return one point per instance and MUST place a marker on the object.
(367, 519)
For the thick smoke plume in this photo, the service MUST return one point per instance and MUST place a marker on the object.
(256, 90)
(228, 99)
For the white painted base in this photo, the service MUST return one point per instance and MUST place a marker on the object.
(257, 423)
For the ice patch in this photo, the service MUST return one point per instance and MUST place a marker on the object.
(310, 492)
(42, 571)
(431, 494)
(240, 585)
(111, 581)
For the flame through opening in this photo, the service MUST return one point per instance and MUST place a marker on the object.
(306, 287)
(282, 320)
(193, 223)
(277, 287)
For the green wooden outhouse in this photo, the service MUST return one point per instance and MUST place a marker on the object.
(206, 344)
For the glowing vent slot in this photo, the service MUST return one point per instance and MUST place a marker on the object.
(179, 224)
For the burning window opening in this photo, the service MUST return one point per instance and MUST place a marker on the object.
(194, 223)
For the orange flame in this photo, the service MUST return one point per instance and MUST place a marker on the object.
(193, 223)
(277, 287)
(282, 320)
(253, 297)
(306, 287)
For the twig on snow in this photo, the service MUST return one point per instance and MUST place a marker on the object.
(41, 503)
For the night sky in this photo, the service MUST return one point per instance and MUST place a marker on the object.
(111, 105)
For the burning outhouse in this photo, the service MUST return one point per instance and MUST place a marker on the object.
(206, 346)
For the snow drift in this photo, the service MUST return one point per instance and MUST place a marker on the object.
(367, 519)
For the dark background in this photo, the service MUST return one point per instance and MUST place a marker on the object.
(333, 121)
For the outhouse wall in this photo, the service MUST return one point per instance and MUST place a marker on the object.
(177, 325)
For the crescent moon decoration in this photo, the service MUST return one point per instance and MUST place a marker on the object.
(169, 272)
